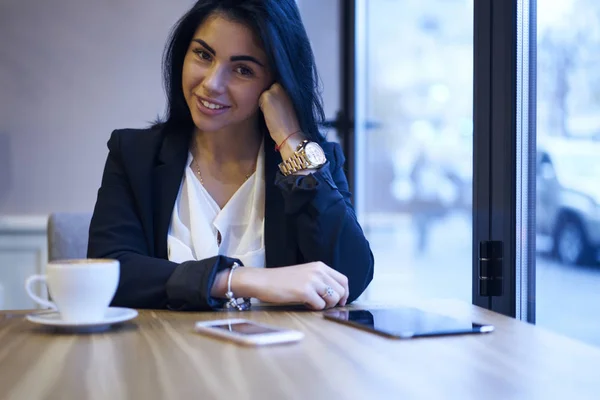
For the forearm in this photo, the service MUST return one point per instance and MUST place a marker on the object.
(142, 280)
(149, 282)
(245, 282)
(336, 239)
(326, 225)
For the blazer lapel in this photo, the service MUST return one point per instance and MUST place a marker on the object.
(280, 246)
(167, 176)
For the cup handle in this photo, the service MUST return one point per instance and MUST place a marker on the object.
(29, 282)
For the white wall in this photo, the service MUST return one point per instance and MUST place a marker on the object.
(71, 71)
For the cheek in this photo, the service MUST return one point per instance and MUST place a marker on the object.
(247, 98)
(191, 75)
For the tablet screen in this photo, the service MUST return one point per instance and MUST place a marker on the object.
(406, 322)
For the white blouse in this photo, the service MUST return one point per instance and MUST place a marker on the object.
(197, 220)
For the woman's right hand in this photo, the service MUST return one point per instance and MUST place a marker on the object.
(304, 283)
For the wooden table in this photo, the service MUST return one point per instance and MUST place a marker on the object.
(158, 356)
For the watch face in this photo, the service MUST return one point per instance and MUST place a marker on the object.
(314, 154)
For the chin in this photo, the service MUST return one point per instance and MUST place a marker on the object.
(209, 126)
(212, 124)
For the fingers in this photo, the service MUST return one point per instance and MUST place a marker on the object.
(263, 96)
(323, 293)
(313, 300)
(342, 281)
(339, 291)
(275, 89)
(314, 292)
(344, 298)
(330, 295)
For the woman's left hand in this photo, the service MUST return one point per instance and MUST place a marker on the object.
(279, 113)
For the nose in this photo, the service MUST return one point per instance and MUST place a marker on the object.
(215, 80)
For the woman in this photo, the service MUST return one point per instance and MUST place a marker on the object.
(237, 174)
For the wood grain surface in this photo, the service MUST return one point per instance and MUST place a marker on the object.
(159, 356)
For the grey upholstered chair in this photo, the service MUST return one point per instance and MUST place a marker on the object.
(68, 235)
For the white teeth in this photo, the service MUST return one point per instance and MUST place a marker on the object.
(211, 105)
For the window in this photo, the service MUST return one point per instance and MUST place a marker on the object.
(414, 151)
(568, 168)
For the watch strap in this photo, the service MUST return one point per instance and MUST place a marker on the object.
(297, 162)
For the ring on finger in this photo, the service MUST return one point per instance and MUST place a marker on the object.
(328, 292)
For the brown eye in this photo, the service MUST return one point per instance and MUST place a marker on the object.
(202, 54)
(245, 71)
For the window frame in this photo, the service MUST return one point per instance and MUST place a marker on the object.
(503, 134)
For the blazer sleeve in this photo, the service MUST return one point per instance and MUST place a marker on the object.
(145, 281)
(326, 224)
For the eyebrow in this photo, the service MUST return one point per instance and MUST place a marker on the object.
(232, 58)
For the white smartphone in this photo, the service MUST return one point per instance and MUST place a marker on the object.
(248, 332)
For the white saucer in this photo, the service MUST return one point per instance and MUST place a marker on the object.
(114, 315)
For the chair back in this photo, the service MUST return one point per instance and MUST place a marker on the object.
(68, 235)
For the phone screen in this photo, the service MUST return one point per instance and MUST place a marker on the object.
(245, 328)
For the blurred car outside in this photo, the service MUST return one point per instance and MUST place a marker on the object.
(568, 198)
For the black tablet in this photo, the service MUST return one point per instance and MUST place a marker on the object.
(405, 323)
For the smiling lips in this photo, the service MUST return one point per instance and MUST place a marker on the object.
(210, 108)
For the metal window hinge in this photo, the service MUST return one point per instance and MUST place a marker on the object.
(490, 268)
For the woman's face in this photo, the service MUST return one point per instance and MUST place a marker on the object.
(224, 73)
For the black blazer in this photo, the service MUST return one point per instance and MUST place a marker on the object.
(307, 218)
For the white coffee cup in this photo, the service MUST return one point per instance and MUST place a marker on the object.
(81, 289)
